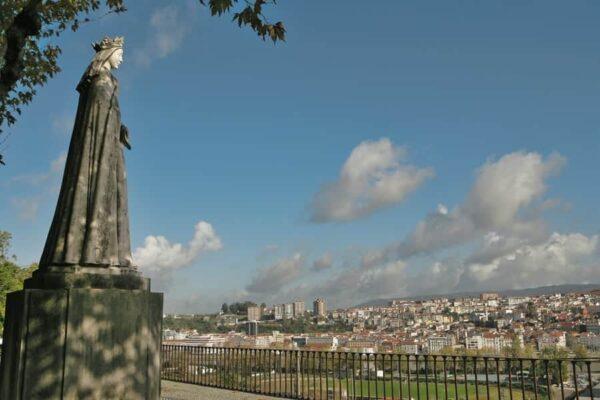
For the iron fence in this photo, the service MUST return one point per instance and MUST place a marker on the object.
(318, 375)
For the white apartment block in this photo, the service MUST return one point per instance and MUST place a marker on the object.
(436, 343)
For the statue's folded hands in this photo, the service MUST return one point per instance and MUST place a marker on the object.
(125, 137)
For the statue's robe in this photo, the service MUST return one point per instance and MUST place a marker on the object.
(91, 222)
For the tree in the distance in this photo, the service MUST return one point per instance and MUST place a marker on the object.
(28, 28)
(556, 370)
(5, 238)
(11, 275)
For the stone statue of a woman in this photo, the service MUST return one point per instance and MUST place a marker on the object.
(86, 325)
(90, 229)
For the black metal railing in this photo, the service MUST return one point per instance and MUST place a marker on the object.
(300, 374)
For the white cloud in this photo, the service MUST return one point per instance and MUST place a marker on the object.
(169, 26)
(324, 262)
(159, 254)
(561, 258)
(507, 264)
(385, 280)
(499, 238)
(442, 209)
(502, 192)
(505, 187)
(351, 286)
(274, 278)
(493, 243)
(373, 177)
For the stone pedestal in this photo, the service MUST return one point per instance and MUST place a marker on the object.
(81, 343)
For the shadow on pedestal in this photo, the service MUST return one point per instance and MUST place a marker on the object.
(81, 343)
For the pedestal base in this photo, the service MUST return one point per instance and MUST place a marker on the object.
(81, 344)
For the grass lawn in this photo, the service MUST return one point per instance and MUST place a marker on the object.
(420, 391)
(317, 389)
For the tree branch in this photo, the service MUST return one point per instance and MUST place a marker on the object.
(27, 23)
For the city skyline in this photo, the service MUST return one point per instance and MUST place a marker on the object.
(459, 151)
(278, 309)
(488, 324)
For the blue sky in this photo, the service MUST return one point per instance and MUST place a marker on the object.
(474, 128)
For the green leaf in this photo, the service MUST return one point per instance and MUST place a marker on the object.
(219, 7)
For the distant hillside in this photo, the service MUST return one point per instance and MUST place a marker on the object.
(568, 288)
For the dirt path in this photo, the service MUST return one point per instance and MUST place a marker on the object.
(184, 391)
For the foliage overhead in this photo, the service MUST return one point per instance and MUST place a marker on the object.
(29, 55)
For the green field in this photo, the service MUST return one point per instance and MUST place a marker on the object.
(315, 387)
(378, 390)
(428, 391)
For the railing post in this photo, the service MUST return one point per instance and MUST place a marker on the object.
(446, 379)
(510, 391)
(400, 375)
(548, 387)
(560, 377)
(573, 364)
(426, 362)
(326, 376)
(535, 384)
(376, 375)
(320, 355)
(299, 376)
(455, 377)
(487, 379)
(435, 377)
(408, 376)
(417, 376)
(353, 378)
(498, 378)
(465, 371)
(476, 380)
(591, 382)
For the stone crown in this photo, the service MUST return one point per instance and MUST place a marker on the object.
(108, 43)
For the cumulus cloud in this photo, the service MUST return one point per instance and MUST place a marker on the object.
(505, 187)
(169, 27)
(273, 278)
(385, 280)
(497, 240)
(502, 192)
(507, 263)
(324, 262)
(562, 258)
(351, 286)
(491, 240)
(159, 254)
(498, 263)
(373, 177)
